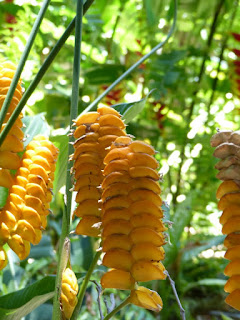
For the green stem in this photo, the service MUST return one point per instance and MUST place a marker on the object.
(41, 73)
(84, 286)
(114, 311)
(137, 64)
(73, 115)
(21, 64)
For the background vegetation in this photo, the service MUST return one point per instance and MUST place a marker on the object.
(196, 92)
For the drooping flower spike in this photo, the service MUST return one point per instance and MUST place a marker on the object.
(227, 145)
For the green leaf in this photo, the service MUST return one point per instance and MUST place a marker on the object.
(130, 110)
(205, 282)
(35, 125)
(18, 304)
(3, 196)
(224, 317)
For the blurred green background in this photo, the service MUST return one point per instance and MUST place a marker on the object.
(196, 92)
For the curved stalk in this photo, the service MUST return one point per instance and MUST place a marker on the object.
(135, 65)
(114, 311)
(84, 286)
(73, 115)
(52, 55)
(22, 61)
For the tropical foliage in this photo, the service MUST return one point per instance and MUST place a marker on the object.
(183, 93)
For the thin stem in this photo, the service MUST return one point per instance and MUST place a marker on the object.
(73, 115)
(172, 283)
(22, 61)
(123, 304)
(137, 64)
(65, 251)
(84, 286)
(99, 292)
(41, 73)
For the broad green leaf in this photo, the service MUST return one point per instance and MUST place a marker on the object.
(35, 125)
(130, 110)
(224, 317)
(15, 305)
(205, 282)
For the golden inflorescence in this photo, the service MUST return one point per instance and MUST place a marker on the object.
(29, 179)
(69, 290)
(118, 198)
(227, 145)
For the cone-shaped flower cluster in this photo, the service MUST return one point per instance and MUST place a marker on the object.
(9, 160)
(69, 292)
(227, 145)
(94, 133)
(132, 227)
(25, 214)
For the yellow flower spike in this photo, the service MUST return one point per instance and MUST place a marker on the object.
(80, 131)
(147, 251)
(26, 231)
(229, 212)
(15, 130)
(107, 110)
(41, 162)
(87, 180)
(111, 120)
(227, 187)
(116, 202)
(231, 240)
(113, 214)
(4, 232)
(232, 284)
(115, 166)
(12, 143)
(118, 279)
(89, 169)
(88, 192)
(69, 292)
(37, 191)
(19, 246)
(9, 160)
(38, 170)
(139, 235)
(87, 118)
(108, 130)
(139, 146)
(32, 216)
(233, 299)
(233, 253)
(120, 241)
(32, 178)
(87, 207)
(229, 199)
(145, 183)
(142, 159)
(143, 270)
(18, 190)
(88, 137)
(116, 154)
(115, 177)
(143, 172)
(115, 189)
(3, 258)
(8, 218)
(92, 158)
(6, 179)
(118, 259)
(89, 226)
(36, 203)
(146, 298)
(142, 194)
(147, 220)
(21, 181)
(232, 225)
(232, 268)
(117, 226)
(138, 207)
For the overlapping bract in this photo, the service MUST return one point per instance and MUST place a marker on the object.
(69, 292)
(94, 133)
(9, 160)
(24, 216)
(227, 145)
(132, 227)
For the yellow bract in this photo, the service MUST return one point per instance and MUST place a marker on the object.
(69, 292)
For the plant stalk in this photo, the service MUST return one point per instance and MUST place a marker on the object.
(22, 62)
(73, 115)
(84, 286)
(41, 73)
(135, 65)
(118, 308)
